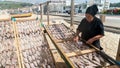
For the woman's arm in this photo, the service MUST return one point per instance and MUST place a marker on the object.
(77, 33)
(76, 38)
(91, 40)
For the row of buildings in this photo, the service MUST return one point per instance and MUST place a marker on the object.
(64, 5)
(61, 6)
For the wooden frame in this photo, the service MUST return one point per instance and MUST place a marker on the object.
(18, 42)
(5, 20)
(77, 53)
(21, 15)
(20, 52)
(22, 20)
(17, 51)
(68, 55)
(16, 45)
(118, 52)
(50, 50)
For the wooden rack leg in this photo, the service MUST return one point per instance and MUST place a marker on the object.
(16, 45)
(118, 52)
(20, 52)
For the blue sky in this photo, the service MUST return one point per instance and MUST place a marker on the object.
(39, 1)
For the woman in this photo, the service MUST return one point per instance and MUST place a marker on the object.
(91, 28)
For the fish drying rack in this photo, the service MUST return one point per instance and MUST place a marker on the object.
(77, 54)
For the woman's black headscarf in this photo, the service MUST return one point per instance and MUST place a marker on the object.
(92, 10)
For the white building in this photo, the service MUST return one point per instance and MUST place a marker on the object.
(102, 4)
(57, 5)
(62, 5)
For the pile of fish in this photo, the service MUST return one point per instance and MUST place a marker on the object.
(90, 60)
(33, 46)
(8, 51)
(71, 46)
(60, 31)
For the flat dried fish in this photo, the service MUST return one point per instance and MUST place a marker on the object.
(34, 48)
(90, 60)
(27, 65)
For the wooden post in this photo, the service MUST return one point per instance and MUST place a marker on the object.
(19, 47)
(104, 8)
(118, 52)
(72, 13)
(48, 12)
(16, 45)
(41, 12)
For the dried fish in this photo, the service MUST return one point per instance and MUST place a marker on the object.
(30, 58)
(12, 66)
(33, 45)
(7, 66)
(7, 49)
(26, 60)
(32, 65)
(27, 65)
(24, 54)
(59, 31)
(90, 60)
(38, 61)
(33, 57)
(35, 63)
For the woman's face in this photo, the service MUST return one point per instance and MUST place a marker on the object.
(89, 17)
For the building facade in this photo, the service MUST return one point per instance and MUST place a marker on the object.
(64, 5)
(102, 4)
(57, 5)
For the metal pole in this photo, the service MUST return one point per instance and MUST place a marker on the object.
(118, 52)
(48, 12)
(41, 12)
(72, 13)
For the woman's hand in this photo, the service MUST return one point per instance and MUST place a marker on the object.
(76, 38)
